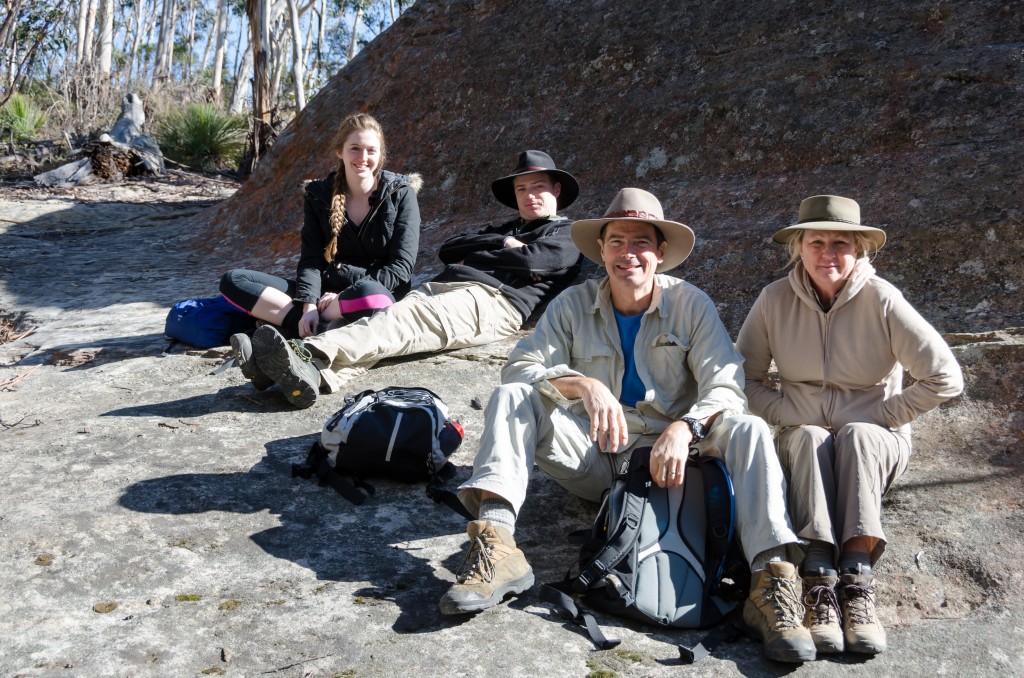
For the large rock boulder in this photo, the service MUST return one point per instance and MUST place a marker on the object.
(730, 112)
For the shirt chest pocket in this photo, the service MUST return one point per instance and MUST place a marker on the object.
(595, 359)
(668, 363)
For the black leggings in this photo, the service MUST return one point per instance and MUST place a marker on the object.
(243, 287)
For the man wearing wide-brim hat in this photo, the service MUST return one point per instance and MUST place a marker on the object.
(492, 282)
(634, 359)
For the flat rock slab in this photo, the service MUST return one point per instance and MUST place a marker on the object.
(149, 524)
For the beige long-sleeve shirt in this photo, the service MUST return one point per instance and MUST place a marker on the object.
(844, 365)
(683, 353)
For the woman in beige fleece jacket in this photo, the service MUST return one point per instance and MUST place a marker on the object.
(841, 337)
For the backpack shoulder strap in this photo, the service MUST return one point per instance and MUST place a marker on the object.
(720, 512)
(438, 491)
(316, 464)
(558, 595)
(622, 535)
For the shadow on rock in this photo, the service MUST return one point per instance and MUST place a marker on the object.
(379, 542)
(88, 354)
(241, 398)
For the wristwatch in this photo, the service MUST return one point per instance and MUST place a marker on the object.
(696, 428)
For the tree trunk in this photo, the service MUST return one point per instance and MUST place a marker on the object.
(307, 49)
(106, 41)
(279, 41)
(7, 28)
(218, 54)
(355, 30)
(297, 57)
(83, 13)
(241, 81)
(187, 68)
(90, 29)
(165, 44)
(320, 40)
(262, 107)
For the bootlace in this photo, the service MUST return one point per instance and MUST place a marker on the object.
(782, 594)
(478, 563)
(822, 600)
(860, 602)
(300, 350)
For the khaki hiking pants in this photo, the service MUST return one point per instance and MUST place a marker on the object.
(433, 317)
(836, 482)
(523, 427)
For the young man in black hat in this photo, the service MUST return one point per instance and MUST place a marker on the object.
(491, 283)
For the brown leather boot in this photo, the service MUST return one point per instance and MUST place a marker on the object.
(822, 616)
(774, 612)
(864, 633)
(493, 569)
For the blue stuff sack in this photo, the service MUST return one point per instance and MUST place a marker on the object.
(205, 323)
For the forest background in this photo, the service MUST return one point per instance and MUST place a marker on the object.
(244, 67)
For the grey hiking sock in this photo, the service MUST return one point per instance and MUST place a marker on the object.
(818, 559)
(762, 559)
(855, 563)
(498, 512)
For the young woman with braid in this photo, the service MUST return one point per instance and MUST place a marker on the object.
(360, 236)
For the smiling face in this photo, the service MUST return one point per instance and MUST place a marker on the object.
(536, 195)
(631, 255)
(360, 155)
(829, 258)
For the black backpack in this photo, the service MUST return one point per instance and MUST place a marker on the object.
(664, 557)
(398, 432)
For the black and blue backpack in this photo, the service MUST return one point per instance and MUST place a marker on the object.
(667, 557)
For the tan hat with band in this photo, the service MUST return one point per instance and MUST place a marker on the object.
(830, 213)
(634, 204)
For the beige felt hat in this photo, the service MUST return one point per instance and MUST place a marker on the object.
(830, 213)
(634, 204)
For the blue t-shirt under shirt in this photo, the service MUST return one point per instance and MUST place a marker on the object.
(633, 389)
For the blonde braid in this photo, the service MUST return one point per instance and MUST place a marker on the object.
(337, 214)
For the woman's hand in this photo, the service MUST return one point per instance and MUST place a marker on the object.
(309, 321)
(329, 307)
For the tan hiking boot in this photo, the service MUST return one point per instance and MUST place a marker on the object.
(822, 616)
(774, 612)
(493, 569)
(864, 633)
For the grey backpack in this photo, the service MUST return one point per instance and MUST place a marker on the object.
(667, 557)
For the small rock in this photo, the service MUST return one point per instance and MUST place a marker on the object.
(476, 404)
(226, 655)
(104, 608)
(44, 559)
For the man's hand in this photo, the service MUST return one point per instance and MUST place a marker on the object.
(607, 420)
(512, 241)
(309, 321)
(669, 453)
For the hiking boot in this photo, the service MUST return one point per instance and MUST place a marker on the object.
(864, 633)
(775, 614)
(822, 616)
(288, 363)
(493, 569)
(241, 348)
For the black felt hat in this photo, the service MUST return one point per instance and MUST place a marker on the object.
(536, 161)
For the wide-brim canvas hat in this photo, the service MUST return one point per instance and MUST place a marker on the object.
(530, 162)
(635, 204)
(830, 213)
